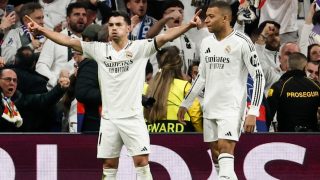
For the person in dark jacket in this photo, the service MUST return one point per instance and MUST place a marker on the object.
(13, 101)
(295, 98)
(88, 93)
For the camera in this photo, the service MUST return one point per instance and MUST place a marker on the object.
(147, 102)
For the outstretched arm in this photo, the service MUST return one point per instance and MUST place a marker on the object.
(173, 33)
(54, 36)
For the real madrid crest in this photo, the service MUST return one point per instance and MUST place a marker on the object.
(128, 54)
(227, 49)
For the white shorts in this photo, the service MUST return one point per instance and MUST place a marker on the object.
(214, 129)
(131, 131)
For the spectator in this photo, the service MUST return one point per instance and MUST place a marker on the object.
(87, 91)
(168, 88)
(314, 52)
(21, 36)
(193, 71)
(295, 98)
(13, 101)
(137, 10)
(54, 57)
(312, 70)
(6, 22)
(172, 16)
(31, 82)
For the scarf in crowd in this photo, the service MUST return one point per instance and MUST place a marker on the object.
(143, 26)
(27, 33)
(10, 112)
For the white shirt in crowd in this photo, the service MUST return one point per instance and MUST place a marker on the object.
(55, 12)
(54, 58)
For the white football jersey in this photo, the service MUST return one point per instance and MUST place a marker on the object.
(223, 72)
(121, 75)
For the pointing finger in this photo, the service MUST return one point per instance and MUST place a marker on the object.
(198, 12)
(29, 18)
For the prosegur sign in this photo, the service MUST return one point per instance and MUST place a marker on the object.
(174, 156)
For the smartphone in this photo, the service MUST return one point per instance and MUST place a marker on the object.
(9, 8)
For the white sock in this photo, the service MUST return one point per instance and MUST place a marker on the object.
(226, 163)
(144, 173)
(109, 174)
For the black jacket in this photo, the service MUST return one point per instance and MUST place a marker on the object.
(31, 102)
(87, 92)
(296, 99)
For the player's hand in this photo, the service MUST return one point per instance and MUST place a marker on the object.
(33, 27)
(182, 111)
(196, 21)
(249, 123)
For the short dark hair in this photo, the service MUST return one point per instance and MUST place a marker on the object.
(297, 61)
(221, 5)
(171, 3)
(194, 63)
(29, 8)
(75, 5)
(122, 14)
(264, 23)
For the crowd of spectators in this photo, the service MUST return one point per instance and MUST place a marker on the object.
(46, 87)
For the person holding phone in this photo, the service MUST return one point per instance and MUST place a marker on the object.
(20, 36)
(7, 20)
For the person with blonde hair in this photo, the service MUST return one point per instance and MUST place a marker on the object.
(169, 88)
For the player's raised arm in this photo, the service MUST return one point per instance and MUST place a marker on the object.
(54, 36)
(173, 33)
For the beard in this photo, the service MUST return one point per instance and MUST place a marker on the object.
(78, 28)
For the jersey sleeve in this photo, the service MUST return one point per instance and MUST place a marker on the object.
(198, 84)
(195, 112)
(93, 49)
(251, 60)
(149, 47)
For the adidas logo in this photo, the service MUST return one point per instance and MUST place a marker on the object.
(228, 134)
(144, 149)
(109, 58)
(208, 50)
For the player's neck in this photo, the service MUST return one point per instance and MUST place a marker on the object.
(223, 34)
(119, 44)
